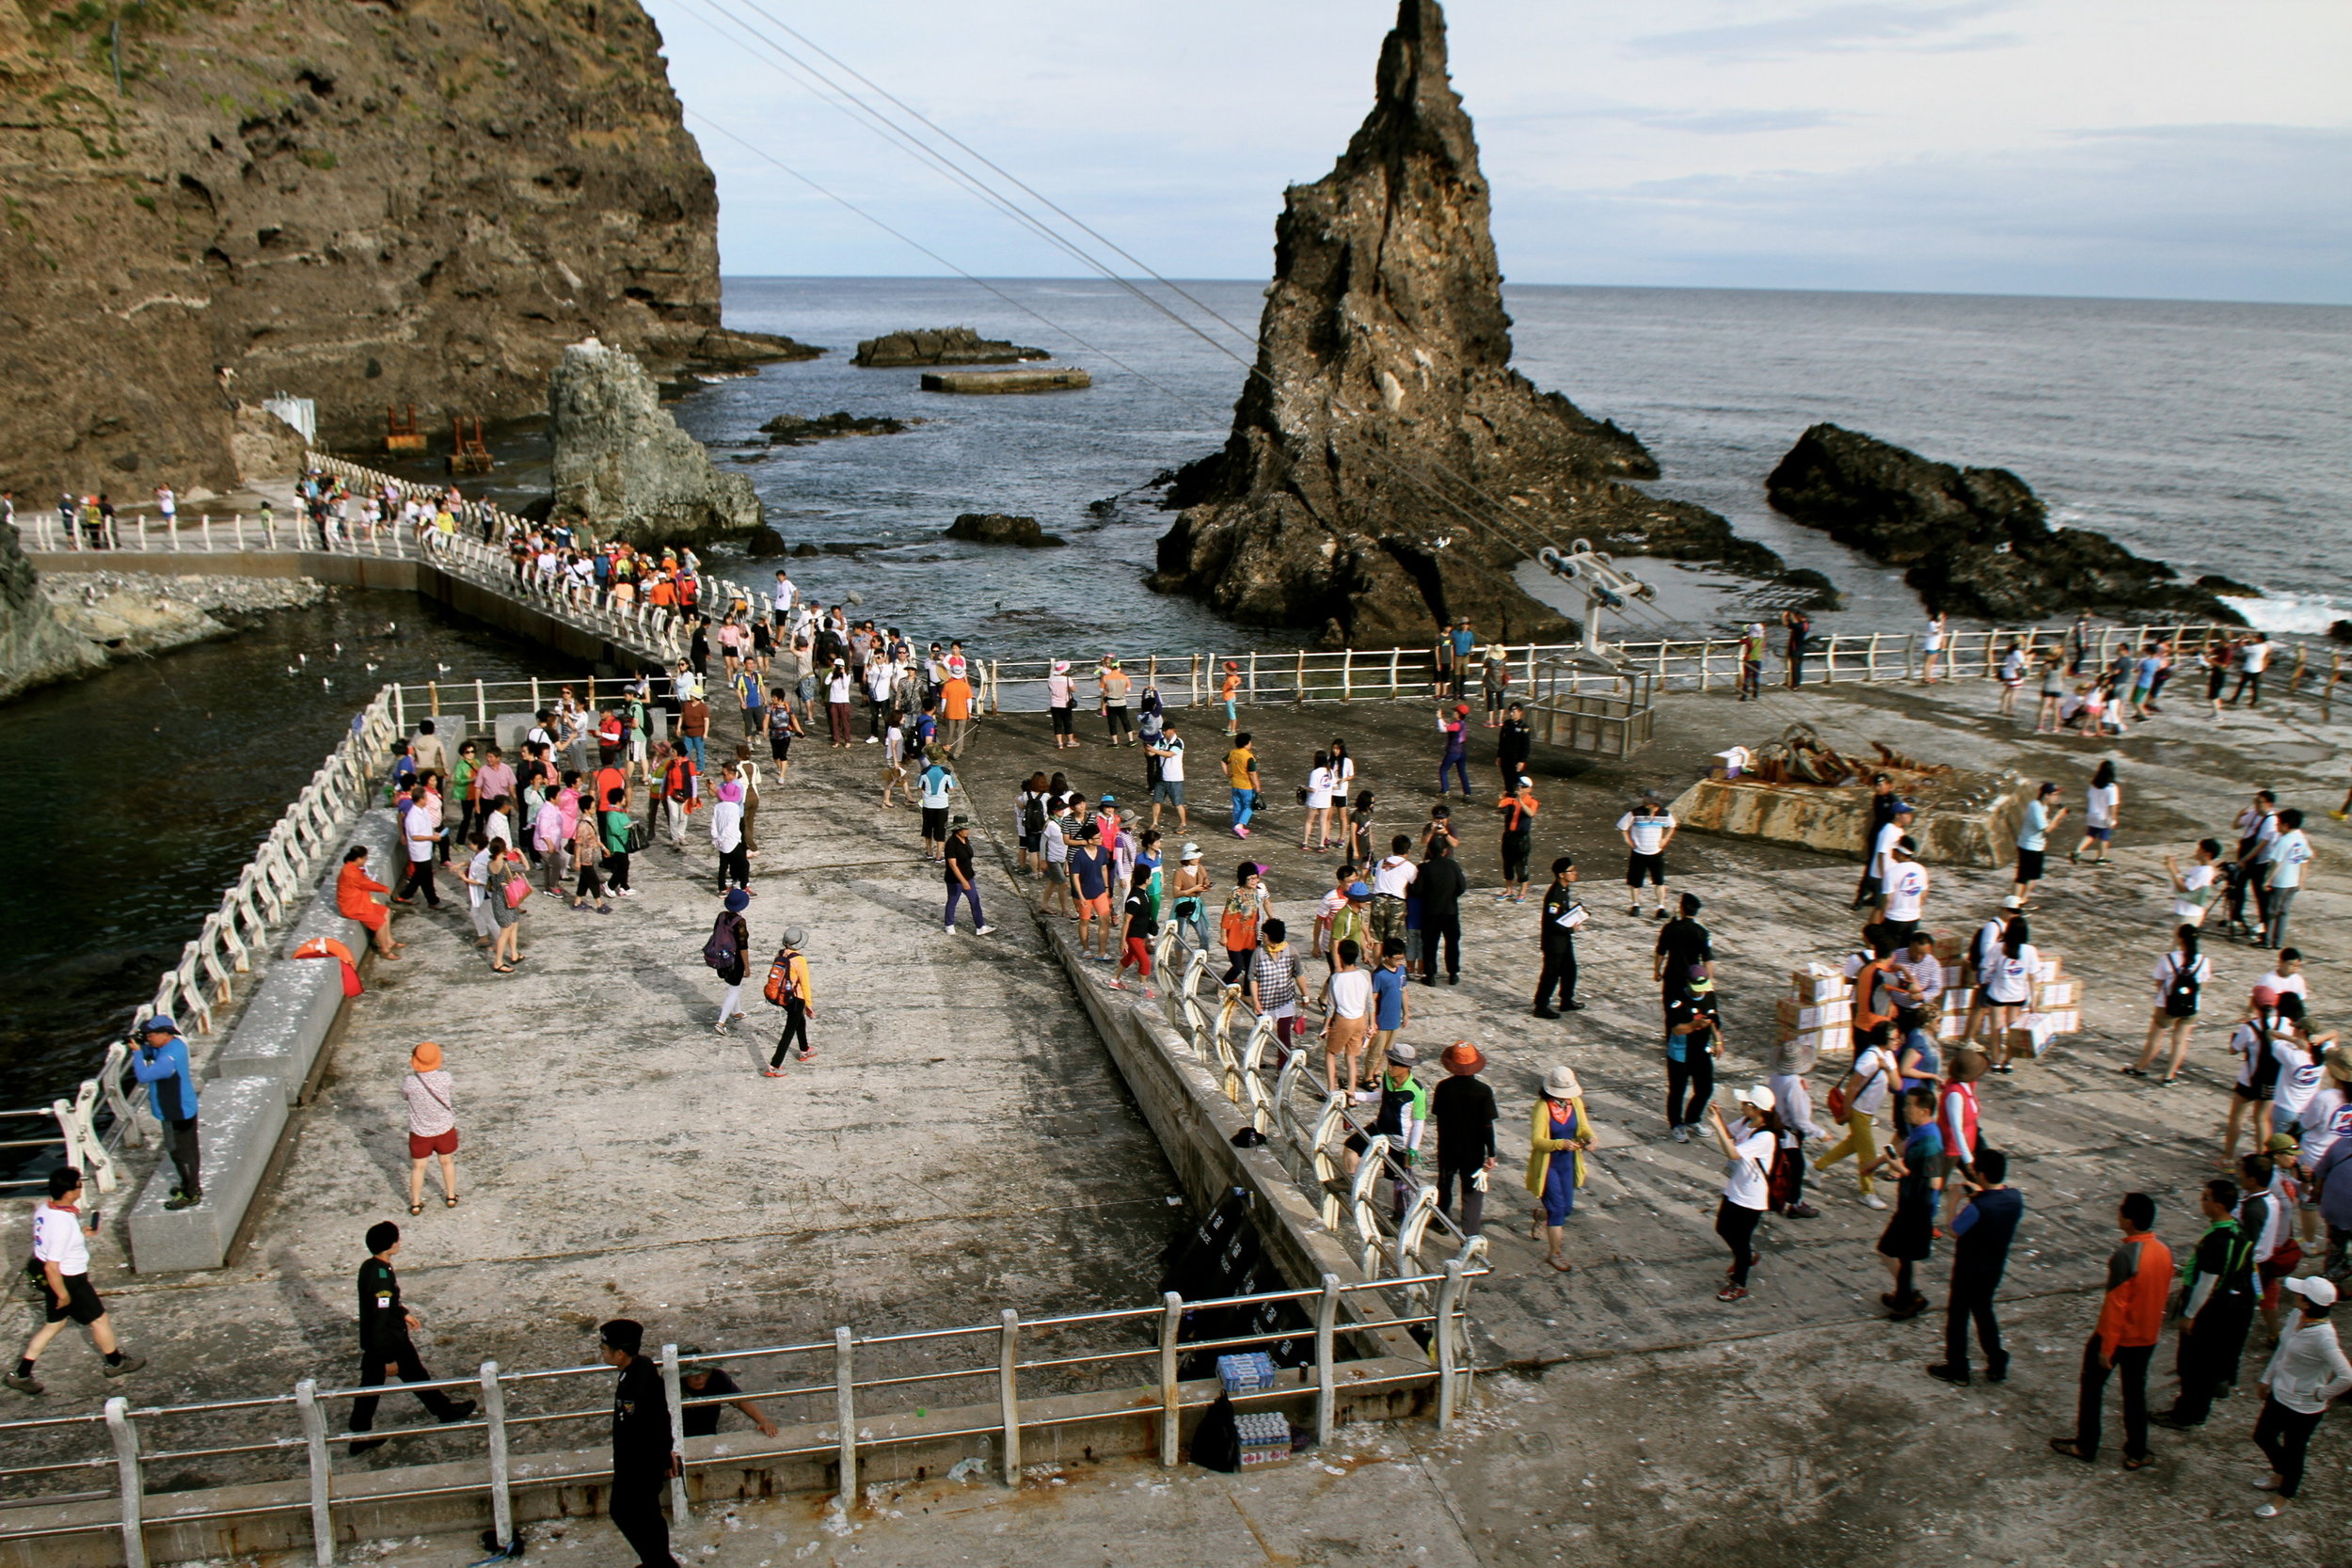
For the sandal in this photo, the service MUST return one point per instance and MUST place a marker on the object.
(416, 1208)
(2141, 1463)
(449, 1200)
(1560, 1267)
(501, 968)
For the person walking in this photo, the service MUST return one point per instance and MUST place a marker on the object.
(161, 1062)
(2103, 807)
(693, 727)
(789, 988)
(2216, 1308)
(2181, 976)
(1516, 807)
(1856, 1103)
(1347, 1018)
(1981, 1234)
(431, 1100)
(1749, 1153)
(1463, 1108)
(1693, 1044)
(726, 836)
(1515, 742)
(938, 786)
(956, 856)
(1190, 892)
(2006, 982)
(501, 878)
(1241, 775)
(1274, 981)
(1558, 1133)
(2131, 1319)
(2033, 836)
(615, 823)
(2307, 1372)
(644, 1454)
(1315, 832)
(1454, 724)
(386, 1351)
(1683, 963)
(1909, 1238)
(60, 1258)
(1439, 885)
(1169, 789)
(727, 951)
(420, 836)
(1556, 941)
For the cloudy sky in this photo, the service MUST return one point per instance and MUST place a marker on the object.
(2183, 149)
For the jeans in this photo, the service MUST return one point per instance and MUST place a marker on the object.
(1197, 921)
(371, 1363)
(2282, 1434)
(2131, 1361)
(692, 745)
(1697, 1075)
(1460, 764)
(973, 894)
(1245, 806)
(1972, 1299)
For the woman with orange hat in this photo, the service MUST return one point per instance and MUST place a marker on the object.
(432, 1124)
(1464, 1111)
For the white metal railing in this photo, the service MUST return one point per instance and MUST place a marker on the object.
(842, 1374)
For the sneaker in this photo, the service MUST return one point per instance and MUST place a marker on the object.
(771, 1072)
(983, 930)
(124, 1368)
(805, 1056)
(1241, 833)
(1872, 1200)
(184, 1200)
(462, 1411)
(1150, 995)
(719, 1028)
(2269, 1511)
(1682, 1135)
(1945, 1372)
(24, 1384)
(1117, 984)
(1801, 1212)
(1546, 1012)
(1732, 1292)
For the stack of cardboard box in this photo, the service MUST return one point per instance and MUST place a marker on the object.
(1818, 1014)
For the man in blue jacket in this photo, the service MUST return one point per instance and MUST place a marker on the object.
(161, 1062)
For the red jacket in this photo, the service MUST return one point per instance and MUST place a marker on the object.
(2140, 1278)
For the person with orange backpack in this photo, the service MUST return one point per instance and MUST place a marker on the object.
(787, 987)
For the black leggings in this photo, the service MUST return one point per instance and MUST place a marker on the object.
(590, 884)
(1737, 1226)
(795, 1025)
(1696, 1076)
(616, 871)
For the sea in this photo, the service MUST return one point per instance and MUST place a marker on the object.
(2214, 437)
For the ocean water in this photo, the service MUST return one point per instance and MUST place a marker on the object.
(2214, 437)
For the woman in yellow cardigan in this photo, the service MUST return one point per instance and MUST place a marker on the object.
(1558, 1135)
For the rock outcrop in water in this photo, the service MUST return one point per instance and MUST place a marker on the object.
(941, 345)
(35, 647)
(1387, 467)
(1973, 542)
(622, 468)
(360, 202)
(996, 527)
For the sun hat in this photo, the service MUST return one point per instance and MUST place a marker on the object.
(794, 936)
(2317, 1289)
(1560, 1084)
(1760, 1097)
(425, 1058)
(1108, 800)
(1192, 852)
(730, 791)
(1061, 667)
(738, 900)
(1402, 1054)
(1463, 1058)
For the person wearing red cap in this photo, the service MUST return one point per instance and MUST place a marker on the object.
(1454, 724)
(1464, 1111)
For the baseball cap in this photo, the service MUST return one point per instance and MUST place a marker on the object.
(1760, 1097)
(2317, 1289)
(1359, 890)
(159, 1024)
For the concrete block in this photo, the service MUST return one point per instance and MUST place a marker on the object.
(509, 730)
(278, 1035)
(239, 1124)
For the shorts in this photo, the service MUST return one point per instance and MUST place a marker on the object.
(780, 747)
(2254, 1094)
(1030, 841)
(439, 1143)
(935, 823)
(1098, 905)
(2028, 865)
(81, 1301)
(1169, 792)
(1639, 867)
(806, 688)
(1347, 1034)
(2101, 835)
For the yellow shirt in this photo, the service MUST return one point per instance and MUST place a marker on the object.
(1238, 763)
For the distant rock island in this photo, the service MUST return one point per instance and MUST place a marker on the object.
(790, 430)
(1975, 542)
(941, 345)
(995, 528)
(1384, 459)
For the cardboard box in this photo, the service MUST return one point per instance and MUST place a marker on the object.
(2057, 995)
(1789, 1013)
(1266, 1438)
(1949, 946)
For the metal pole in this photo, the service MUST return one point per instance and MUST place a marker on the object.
(679, 1510)
(494, 1417)
(1326, 1375)
(1008, 1390)
(321, 1477)
(1449, 1353)
(844, 1414)
(1172, 1391)
(1299, 679)
(126, 1438)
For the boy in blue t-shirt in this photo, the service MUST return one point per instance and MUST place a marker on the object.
(1910, 1235)
(1392, 1006)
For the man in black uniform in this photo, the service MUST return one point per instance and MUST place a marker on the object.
(1513, 743)
(386, 1350)
(1981, 1234)
(643, 1457)
(1440, 884)
(1559, 943)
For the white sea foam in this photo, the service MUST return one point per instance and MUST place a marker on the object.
(2309, 613)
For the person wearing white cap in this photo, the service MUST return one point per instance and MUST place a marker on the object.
(2306, 1371)
(1747, 1180)
(1558, 1134)
(1190, 891)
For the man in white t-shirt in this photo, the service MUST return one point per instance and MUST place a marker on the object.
(1391, 880)
(780, 600)
(1647, 829)
(1902, 889)
(1891, 832)
(61, 1251)
(1169, 790)
(2282, 870)
(421, 830)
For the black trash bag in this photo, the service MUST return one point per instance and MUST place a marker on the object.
(1217, 1442)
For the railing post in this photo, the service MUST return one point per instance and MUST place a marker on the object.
(1253, 677)
(1008, 1390)
(1327, 1374)
(1298, 680)
(1348, 672)
(321, 1475)
(679, 1510)
(844, 1414)
(1396, 656)
(494, 1418)
(480, 706)
(1171, 1390)
(1449, 1353)
(133, 1485)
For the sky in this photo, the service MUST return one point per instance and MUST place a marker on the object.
(2166, 149)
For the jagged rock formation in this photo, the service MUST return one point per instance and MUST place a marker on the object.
(791, 430)
(35, 647)
(940, 345)
(360, 202)
(1973, 542)
(622, 468)
(1385, 458)
(996, 527)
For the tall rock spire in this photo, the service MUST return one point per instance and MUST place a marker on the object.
(1383, 447)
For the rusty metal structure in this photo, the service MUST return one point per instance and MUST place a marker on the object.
(467, 453)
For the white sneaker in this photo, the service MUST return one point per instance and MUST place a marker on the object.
(983, 930)
(1682, 1135)
(1872, 1200)
(2267, 1511)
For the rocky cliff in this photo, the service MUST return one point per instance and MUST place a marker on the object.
(1973, 542)
(623, 468)
(1387, 466)
(35, 647)
(360, 202)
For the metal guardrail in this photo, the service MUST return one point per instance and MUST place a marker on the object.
(841, 1383)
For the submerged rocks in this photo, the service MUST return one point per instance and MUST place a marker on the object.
(1387, 467)
(941, 345)
(1973, 542)
(995, 528)
(790, 430)
(622, 468)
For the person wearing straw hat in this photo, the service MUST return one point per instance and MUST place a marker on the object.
(1464, 1111)
(432, 1124)
(1558, 1135)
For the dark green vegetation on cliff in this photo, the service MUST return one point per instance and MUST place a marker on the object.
(355, 200)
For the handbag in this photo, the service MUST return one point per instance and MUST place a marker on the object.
(639, 838)
(1837, 1102)
(518, 889)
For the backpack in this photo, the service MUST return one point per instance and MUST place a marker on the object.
(2180, 990)
(1033, 816)
(778, 990)
(720, 952)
